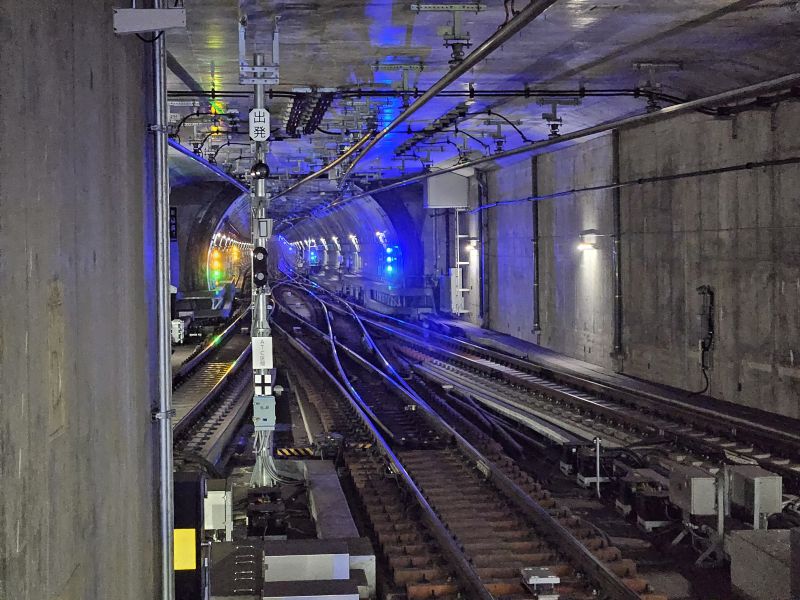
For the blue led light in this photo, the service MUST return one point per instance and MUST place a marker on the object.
(389, 250)
(389, 259)
(389, 269)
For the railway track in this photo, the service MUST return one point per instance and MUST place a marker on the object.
(487, 520)
(560, 412)
(211, 393)
(565, 408)
(697, 423)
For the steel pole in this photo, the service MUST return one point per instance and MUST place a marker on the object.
(166, 502)
(261, 228)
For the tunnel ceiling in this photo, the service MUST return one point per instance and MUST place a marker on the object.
(349, 45)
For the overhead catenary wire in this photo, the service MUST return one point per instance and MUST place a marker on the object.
(734, 95)
(486, 48)
(644, 181)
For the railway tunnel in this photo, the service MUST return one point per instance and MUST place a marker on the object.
(400, 300)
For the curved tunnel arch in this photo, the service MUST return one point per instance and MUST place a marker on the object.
(204, 200)
(376, 222)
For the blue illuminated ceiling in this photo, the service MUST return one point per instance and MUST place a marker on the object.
(349, 45)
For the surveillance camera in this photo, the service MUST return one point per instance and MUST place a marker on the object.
(259, 171)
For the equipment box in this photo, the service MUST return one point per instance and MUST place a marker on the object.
(693, 490)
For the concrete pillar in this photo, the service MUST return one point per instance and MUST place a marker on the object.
(77, 317)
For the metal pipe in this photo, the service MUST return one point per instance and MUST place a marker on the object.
(501, 36)
(166, 502)
(525, 92)
(537, 327)
(748, 166)
(483, 234)
(616, 254)
(597, 466)
(643, 119)
(258, 102)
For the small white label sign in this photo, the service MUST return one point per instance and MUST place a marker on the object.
(262, 353)
(259, 124)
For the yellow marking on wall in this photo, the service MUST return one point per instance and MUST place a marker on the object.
(185, 550)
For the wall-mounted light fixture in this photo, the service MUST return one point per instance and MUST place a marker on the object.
(354, 241)
(588, 239)
(472, 244)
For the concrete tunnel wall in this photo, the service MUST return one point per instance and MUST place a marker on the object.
(78, 514)
(737, 232)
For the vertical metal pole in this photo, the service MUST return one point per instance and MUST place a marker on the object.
(597, 465)
(537, 327)
(617, 256)
(167, 508)
(722, 486)
(259, 206)
(448, 250)
(261, 232)
(483, 232)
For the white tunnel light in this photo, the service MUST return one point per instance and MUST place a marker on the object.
(588, 240)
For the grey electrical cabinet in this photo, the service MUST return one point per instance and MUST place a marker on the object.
(756, 490)
(693, 490)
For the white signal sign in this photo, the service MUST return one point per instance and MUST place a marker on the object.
(259, 124)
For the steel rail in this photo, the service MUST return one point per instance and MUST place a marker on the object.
(437, 528)
(190, 364)
(655, 402)
(612, 586)
(737, 427)
(224, 419)
(330, 338)
(351, 312)
(560, 434)
(789, 441)
(180, 427)
(618, 410)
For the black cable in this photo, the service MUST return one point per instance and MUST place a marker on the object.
(489, 112)
(150, 41)
(456, 146)
(645, 180)
(327, 132)
(469, 135)
(208, 135)
(197, 113)
(705, 387)
(214, 157)
(524, 137)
